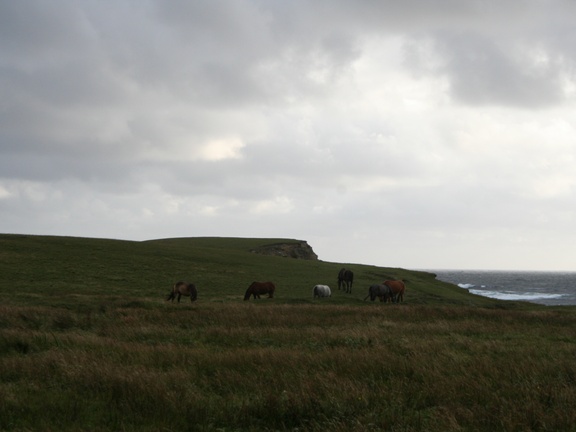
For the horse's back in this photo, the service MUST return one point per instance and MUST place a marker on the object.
(258, 288)
(179, 285)
(322, 291)
(397, 287)
(186, 288)
(379, 289)
(261, 285)
(345, 274)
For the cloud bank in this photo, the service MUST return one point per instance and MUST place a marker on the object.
(414, 134)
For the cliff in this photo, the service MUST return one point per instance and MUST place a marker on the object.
(297, 250)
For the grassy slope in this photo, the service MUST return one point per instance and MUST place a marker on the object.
(87, 342)
(222, 268)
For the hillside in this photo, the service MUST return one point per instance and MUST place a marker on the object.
(88, 342)
(41, 267)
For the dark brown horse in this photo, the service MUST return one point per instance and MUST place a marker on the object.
(182, 288)
(345, 279)
(256, 289)
(397, 287)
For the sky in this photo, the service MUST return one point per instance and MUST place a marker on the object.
(422, 134)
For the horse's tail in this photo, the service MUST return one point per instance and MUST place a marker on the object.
(401, 295)
(170, 296)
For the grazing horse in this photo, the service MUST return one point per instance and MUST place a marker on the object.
(258, 288)
(321, 291)
(183, 288)
(397, 287)
(345, 279)
(383, 292)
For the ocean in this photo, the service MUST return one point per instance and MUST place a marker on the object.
(547, 288)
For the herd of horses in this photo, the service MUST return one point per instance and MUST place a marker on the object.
(388, 291)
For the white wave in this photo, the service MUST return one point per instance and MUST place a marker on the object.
(467, 286)
(515, 296)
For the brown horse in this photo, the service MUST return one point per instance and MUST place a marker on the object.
(181, 288)
(397, 287)
(258, 288)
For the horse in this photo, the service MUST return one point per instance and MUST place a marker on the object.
(321, 291)
(345, 279)
(383, 292)
(181, 288)
(257, 288)
(397, 287)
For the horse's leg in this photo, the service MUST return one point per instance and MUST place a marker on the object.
(179, 295)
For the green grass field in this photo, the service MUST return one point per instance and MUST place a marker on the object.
(87, 342)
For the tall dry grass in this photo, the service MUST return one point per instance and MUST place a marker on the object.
(267, 366)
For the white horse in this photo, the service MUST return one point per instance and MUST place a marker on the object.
(321, 291)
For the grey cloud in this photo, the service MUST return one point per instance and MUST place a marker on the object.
(107, 110)
(519, 56)
(483, 71)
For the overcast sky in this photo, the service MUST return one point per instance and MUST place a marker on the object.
(424, 134)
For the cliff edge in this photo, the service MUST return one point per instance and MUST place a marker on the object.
(297, 250)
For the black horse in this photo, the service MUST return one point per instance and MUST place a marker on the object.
(345, 279)
(383, 292)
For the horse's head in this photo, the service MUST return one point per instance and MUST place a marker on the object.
(248, 293)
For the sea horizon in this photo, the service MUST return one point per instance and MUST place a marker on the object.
(547, 287)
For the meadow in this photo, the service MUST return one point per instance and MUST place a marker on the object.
(87, 342)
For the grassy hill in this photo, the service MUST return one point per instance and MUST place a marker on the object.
(42, 267)
(88, 343)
